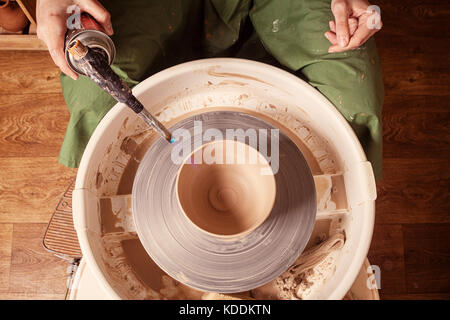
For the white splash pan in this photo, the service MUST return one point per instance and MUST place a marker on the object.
(327, 141)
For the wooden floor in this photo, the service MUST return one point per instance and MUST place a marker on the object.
(33, 118)
(411, 242)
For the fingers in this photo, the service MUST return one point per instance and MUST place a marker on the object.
(354, 30)
(53, 33)
(99, 12)
(331, 35)
(361, 35)
(332, 26)
(353, 25)
(55, 44)
(341, 14)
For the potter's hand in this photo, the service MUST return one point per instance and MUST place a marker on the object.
(355, 22)
(52, 25)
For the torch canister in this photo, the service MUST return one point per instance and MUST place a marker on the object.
(92, 35)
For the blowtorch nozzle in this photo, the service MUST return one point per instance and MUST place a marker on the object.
(96, 67)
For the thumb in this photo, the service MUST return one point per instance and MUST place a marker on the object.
(95, 9)
(340, 12)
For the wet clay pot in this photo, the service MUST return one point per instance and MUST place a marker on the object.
(12, 17)
(230, 192)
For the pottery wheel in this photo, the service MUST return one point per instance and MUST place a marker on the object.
(222, 263)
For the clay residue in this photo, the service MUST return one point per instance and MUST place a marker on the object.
(212, 72)
(116, 214)
(98, 180)
(331, 194)
(128, 145)
(123, 128)
(139, 276)
(228, 82)
(312, 267)
(109, 220)
(172, 289)
(131, 286)
(338, 193)
(143, 265)
(127, 179)
(323, 190)
(320, 233)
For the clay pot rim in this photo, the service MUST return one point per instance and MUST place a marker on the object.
(5, 4)
(224, 236)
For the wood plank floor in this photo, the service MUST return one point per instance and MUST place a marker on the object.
(411, 239)
(33, 117)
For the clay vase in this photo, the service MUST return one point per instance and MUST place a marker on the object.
(231, 197)
(12, 17)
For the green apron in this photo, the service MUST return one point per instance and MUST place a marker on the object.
(152, 35)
